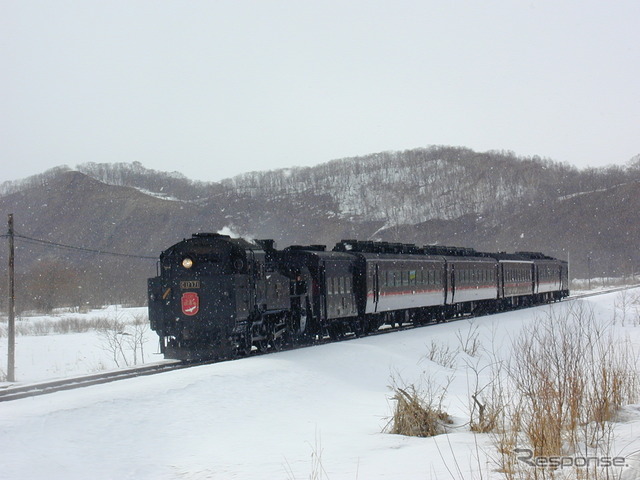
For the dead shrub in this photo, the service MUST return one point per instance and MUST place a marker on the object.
(442, 354)
(569, 375)
(418, 413)
(470, 340)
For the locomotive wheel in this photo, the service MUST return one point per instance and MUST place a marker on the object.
(277, 343)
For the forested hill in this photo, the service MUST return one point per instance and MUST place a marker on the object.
(445, 195)
(437, 183)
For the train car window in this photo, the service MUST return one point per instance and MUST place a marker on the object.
(341, 285)
(412, 277)
(348, 284)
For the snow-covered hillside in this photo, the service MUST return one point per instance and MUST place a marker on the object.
(316, 412)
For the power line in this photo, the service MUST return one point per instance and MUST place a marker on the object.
(37, 241)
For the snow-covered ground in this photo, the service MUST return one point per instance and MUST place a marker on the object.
(316, 412)
(44, 354)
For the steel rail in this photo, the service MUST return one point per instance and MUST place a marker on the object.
(42, 388)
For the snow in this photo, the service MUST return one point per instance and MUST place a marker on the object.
(315, 412)
(43, 355)
(161, 196)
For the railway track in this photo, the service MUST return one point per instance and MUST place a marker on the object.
(601, 292)
(42, 388)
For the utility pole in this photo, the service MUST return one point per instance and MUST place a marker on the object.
(11, 361)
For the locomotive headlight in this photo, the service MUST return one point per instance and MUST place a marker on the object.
(187, 263)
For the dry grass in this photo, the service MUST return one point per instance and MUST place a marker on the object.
(568, 377)
(442, 354)
(418, 412)
(58, 326)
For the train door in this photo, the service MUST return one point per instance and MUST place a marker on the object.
(449, 283)
(322, 297)
(376, 286)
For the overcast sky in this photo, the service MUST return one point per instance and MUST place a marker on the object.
(216, 88)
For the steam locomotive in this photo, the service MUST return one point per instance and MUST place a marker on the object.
(217, 297)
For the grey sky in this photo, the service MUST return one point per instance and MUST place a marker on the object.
(216, 88)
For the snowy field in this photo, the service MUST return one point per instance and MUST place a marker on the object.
(316, 412)
(87, 345)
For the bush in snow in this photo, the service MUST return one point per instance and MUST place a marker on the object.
(568, 377)
(418, 411)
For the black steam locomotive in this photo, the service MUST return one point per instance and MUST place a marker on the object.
(222, 297)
